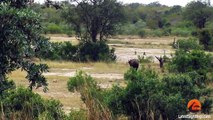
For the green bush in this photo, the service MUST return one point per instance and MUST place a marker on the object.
(143, 59)
(206, 39)
(5, 86)
(146, 96)
(155, 33)
(191, 61)
(53, 28)
(90, 51)
(91, 95)
(22, 103)
(167, 31)
(188, 44)
(77, 115)
(142, 33)
(58, 51)
(184, 32)
(132, 29)
(87, 51)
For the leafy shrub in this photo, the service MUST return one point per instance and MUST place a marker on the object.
(167, 31)
(143, 59)
(132, 28)
(91, 95)
(178, 90)
(191, 61)
(146, 96)
(206, 39)
(53, 28)
(142, 33)
(188, 44)
(6, 85)
(77, 115)
(184, 32)
(87, 51)
(22, 103)
(156, 33)
(58, 51)
(90, 51)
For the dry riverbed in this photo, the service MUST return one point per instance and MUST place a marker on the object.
(106, 74)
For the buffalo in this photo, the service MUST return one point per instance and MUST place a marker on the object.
(134, 63)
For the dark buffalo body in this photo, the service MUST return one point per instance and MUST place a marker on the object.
(134, 63)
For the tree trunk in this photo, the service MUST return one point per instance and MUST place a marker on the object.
(2, 76)
(94, 36)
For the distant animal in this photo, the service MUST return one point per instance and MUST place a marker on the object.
(144, 53)
(161, 61)
(134, 63)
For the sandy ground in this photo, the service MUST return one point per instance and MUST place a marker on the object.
(111, 76)
(58, 86)
(124, 52)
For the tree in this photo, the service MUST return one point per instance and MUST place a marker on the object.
(154, 20)
(154, 4)
(175, 9)
(20, 38)
(197, 12)
(206, 39)
(93, 18)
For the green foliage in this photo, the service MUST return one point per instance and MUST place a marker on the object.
(92, 19)
(142, 33)
(179, 90)
(17, 3)
(146, 96)
(82, 81)
(99, 51)
(6, 85)
(53, 28)
(20, 37)
(133, 28)
(167, 31)
(144, 59)
(175, 9)
(206, 39)
(189, 44)
(85, 51)
(58, 51)
(91, 95)
(190, 61)
(22, 103)
(156, 33)
(77, 115)
(51, 15)
(181, 32)
(198, 12)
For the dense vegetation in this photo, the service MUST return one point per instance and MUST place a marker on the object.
(194, 20)
(147, 94)
(152, 19)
